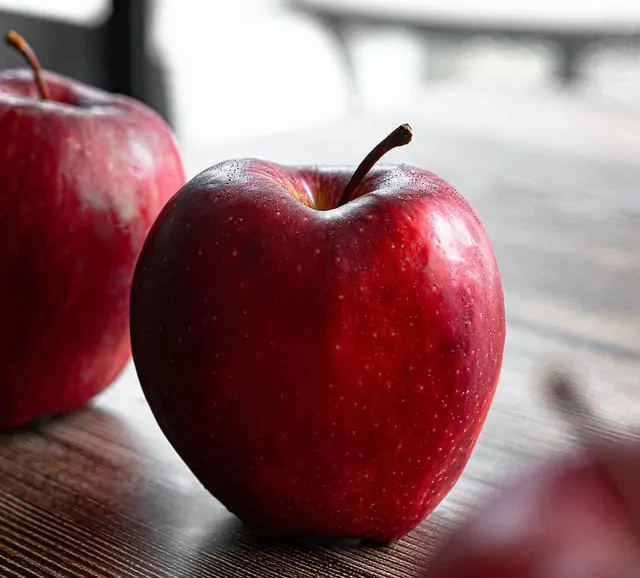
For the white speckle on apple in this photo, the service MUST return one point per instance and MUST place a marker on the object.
(353, 432)
(271, 343)
(246, 336)
(338, 259)
(299, 268)
(164, 259)
(337, 348)
(179, 340)
(366, 367)
(188, 268)
(214, 318)
(375, 335)
(160, 328)
(172, 361)
(234, 253)
(187, 225)
(421, 387)
(330, 386)
(317, 251)
(200, 252)
(341, 297)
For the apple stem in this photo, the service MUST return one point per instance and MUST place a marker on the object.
(571, 405)
(397, 138)
(14, 39)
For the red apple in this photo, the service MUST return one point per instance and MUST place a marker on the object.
(564, 519)
(576, 516)
(83, 174)
(321, 351)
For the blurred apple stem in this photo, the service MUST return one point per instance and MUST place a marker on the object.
(616, 461)
(19, 43)
(399, 137)
(567, 400)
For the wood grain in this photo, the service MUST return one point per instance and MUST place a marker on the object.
(100, 493)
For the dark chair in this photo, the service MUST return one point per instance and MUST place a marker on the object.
(113, 56)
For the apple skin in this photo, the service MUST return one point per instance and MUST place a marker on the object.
(323, 373)
(82, 178)
(565, 519)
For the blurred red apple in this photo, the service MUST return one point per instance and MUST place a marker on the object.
(563, 520)
(321, 351)
(575, 516)
(83, 174)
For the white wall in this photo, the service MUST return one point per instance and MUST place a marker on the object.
(245, 68)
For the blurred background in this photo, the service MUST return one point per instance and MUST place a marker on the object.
(229, 70)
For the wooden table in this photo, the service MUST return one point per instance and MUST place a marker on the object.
(572, 30)
(101, 494)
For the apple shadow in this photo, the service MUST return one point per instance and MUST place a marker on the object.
(230, 542)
